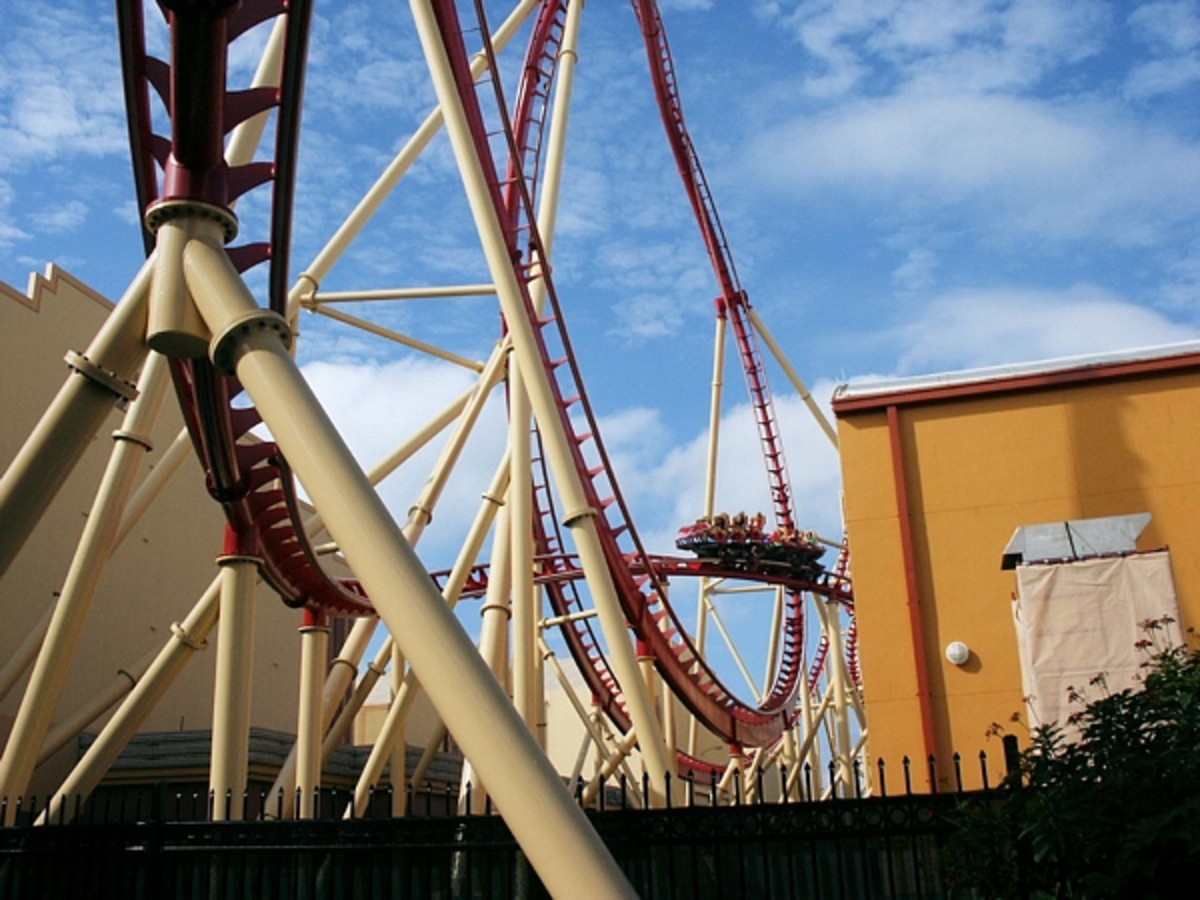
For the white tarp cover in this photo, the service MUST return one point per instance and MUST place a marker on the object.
(1079, 620)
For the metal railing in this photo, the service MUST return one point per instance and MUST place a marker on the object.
(707, 845)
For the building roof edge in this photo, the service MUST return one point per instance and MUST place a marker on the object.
(877, 394)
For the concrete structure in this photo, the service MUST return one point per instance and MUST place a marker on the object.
(939, 473)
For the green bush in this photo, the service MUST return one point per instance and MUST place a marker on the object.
(1114, 812)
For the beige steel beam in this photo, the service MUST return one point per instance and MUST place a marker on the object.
(835, 664)
(592, 734)
(71, 726)
(151, 486)
(525, 595)
(310, 279)
(187, 637)
(731, 646)
(251, 343)
(398, 338)
(778, 610)
(23, 656)
(65, 630)
(350, 709)
(314, 650)
(496, 613)
(529, 675)
(337, 681)
(99, 377)
(393, 723)
(808, 752)
(345, 667)
(416, 293)
(610, 762)
(579, 517)
(704, 588)
(398, 763)
(230, 766)
(796, 380)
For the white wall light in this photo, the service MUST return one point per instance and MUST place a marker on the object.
(958, 652)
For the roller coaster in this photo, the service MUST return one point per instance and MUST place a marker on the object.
(567, 568)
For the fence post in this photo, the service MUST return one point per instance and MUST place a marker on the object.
(1012, 760)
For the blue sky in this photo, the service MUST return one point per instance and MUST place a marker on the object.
(906, 187)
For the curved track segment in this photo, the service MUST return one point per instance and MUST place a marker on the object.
(733, 302)
(188, 168)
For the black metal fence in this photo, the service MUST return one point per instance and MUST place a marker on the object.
(709, 845)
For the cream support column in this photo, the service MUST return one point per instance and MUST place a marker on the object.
(496, 614)
(23, 656)
(547, 216)
(337, 681)
(229, 769)
(436, 737)
(398, 764)
(314, 650)
(838, 679)
(704, 588)
(186, 638)
(520, 529)
(791, 759)
(778, 611)
(341, 726)
(609, 765)
(577, 514)
(70, 726)
(99, 378)
(57, 652)
(165, 468)
(251, 342)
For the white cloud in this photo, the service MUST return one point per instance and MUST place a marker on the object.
(1181, 288)
(67, 217)
(377, 406)
(1171, 33)
(54, 59)
(916, 273)
(939, 44)
(983, 327)
(10, 234)
(1163, 76)
(1024, 166)
(1173, 27)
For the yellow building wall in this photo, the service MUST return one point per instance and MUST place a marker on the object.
(976, 469)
